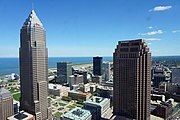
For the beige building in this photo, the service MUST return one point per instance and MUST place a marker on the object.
(75, 80)
(6, 104)
(75, 95)
(132, 80)
(58, 90)
(34, 69)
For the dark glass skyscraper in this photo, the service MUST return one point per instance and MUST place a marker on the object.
(97, 65)
(34, 68)
(132, 80)
(64, 70)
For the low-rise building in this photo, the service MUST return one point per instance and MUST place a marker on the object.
(156, 97)
(85, 88)
(75, 95)
(105, 91)
(92, 88)
(58, 90)
(21, 116)
(97, 79)
(77, 114)
(97, 106)
(164, 109)
(169, 87)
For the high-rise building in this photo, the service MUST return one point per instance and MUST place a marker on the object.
(84, 73)
(106, 71)
(132, 80)
(176, 75)
(6, 104)
(75, 80)
(97, 65)
(64, 70)
(34, 69)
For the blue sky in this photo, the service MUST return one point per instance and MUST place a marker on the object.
(93, 27)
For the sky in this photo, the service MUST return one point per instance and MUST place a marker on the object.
(93, 27)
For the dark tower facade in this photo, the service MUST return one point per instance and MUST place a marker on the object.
(64, 70)
(132, 80)
(34, 68)
(97, 65)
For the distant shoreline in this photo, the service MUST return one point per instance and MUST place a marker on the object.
(93, 56)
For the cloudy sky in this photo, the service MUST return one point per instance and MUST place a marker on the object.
(93, 27)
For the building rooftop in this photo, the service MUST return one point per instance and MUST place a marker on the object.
(77, 114)
(76, 75)
(57, 86)
(21, 116)
(78, 92)
(97, 100)
(4, 93)
(65, 62)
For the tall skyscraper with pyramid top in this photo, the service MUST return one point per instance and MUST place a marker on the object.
(34, 68)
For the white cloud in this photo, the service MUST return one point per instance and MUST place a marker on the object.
(152, 33)
(155, 32)
(160, 8)
(150, 27)
(175, 31)
(152, 39)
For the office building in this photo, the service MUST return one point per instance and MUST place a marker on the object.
(162, 87)
(160, 74)
(76, 95)
(34, 69)
(85, 87)
(84, 73)
(105, 91)
(106, 71)
(64, 70)
(97, 79)
(58, 90)
(98, 106)
(6, 104)
(163, 109)
(97, 65)
(176, 75)
(157, 78)
(132, 80)
(77, 114)
(75, 80)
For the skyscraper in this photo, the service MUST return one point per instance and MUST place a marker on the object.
(6, 104)
(132, 80)
(97, 65)
(34, 68)
(64, 70)
(106, 71)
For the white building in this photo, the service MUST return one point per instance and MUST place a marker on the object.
(75, 80)
(58, 90)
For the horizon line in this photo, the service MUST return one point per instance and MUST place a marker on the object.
(97, 55)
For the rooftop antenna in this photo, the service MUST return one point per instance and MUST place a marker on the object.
(32, 5)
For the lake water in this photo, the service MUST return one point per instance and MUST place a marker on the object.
(11, 65)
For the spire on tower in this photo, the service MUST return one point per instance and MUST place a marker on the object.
(33, 19)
